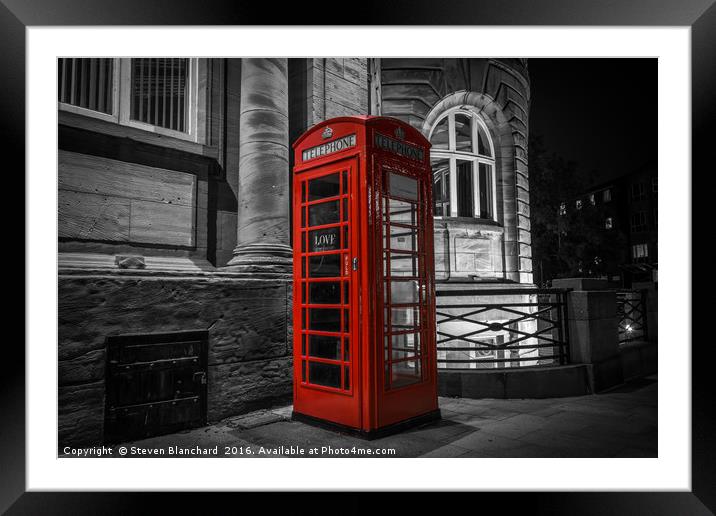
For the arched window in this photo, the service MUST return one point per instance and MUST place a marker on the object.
(463, 162)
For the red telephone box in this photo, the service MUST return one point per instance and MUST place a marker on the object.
(364, 303)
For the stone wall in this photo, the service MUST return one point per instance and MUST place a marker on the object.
(323, 88)
(465, 250)
(250, 336)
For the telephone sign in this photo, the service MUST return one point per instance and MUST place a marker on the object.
(364, 302)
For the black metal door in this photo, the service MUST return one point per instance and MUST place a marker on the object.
(156, 384)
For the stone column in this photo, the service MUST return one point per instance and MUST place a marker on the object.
(263, 188)
(593, 329)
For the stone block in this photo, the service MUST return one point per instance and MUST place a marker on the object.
(449, 383)
(478, 384)
(607, 373)
(589, 305)
(532, 383)
(581, 283)
(80, 414)
(592, 340)
(88, 367)
(241, 387)
(548, 382)
(639, 359)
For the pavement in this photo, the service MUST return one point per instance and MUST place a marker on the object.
(619, 423)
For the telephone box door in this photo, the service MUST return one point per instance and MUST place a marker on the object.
(407, 375)
(326, 368)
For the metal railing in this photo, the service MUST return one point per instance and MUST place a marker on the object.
(631, 314)
(501, 328)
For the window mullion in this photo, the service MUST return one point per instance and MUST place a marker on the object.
(452, 144)
(473, 132)
(475, 188)
(453, 187)
(493, 188)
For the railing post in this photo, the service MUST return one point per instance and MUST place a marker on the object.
(564, 327)
(651, 315)
(593, 330)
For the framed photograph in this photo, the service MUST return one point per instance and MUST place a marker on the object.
(436, 247)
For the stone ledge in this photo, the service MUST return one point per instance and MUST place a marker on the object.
(175, 274)
(532, 382)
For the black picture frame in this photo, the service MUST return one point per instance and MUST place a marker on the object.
(700, 15)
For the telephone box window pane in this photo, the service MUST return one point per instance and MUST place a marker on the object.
(404, 292)
(303, 344)
(328, 375)
(347, 378)
(325, 293)
(345, 209)
(405, 346)
(325, 319)
(303, 217)
(403, 264)
(346, 293)
(346, 349)
(465, 202)
(405, 373)
(401, 211)
(403, 239)
(463, 133)
(322, 187)
(404, 318)
(346, 322)
(321, 240)
(325, 266)
(346, 242)
(323, 213)
(345, 182)
(324, 347)
(303, 370)
(403, 186)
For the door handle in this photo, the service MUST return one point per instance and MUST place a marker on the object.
(355, 264)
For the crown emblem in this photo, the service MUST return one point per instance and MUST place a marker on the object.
(327, 133)
(399, 133)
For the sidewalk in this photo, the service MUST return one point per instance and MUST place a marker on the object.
(620, 423)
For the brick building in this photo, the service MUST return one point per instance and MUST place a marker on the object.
(174, 220)
(628, 207)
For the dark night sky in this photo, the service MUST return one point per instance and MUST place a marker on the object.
(600, 113)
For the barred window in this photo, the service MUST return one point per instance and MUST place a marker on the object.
(155, 94)
(159, 92)
(86, 83)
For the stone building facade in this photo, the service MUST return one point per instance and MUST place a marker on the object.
(174, 222)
